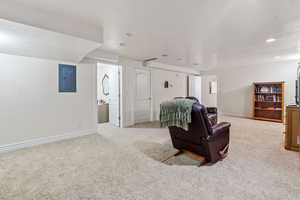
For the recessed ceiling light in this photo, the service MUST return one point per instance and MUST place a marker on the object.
(122, 44)
(179, 59)
(270, 40)
(195, 64)
(164, 55)
(5, 38)
(277, 57)
(128, 34)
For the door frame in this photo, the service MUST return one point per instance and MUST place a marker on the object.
(120, 90)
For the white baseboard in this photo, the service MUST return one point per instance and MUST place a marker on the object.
(235, 115)
(39, 141)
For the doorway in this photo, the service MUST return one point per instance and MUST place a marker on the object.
(194, 86)
(108, 94)
(209, 91)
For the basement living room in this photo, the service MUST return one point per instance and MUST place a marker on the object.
(147, 100)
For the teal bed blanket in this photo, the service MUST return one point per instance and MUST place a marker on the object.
(176, 112)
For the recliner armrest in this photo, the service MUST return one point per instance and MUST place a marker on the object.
(218, 130)
(213, 110)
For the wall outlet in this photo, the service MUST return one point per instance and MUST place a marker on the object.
(298, 140)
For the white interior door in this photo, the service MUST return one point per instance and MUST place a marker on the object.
(114, 96)
(195, 86)
(143, 96)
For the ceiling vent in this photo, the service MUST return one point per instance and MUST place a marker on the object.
(145, 62)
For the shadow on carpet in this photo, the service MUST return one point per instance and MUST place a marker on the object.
(160, 152)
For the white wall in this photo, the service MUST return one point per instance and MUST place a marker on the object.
(128, 91)
(177, 87)
(31, 107)
(235, 85)
(159, 94)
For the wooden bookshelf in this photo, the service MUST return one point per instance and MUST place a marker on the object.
(268, 101)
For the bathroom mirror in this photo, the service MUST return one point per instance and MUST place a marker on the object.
(213, 87)
(105, 85)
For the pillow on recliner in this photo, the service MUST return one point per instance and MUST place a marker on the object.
(212, 119)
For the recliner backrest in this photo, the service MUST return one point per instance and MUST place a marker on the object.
(200, 121)
(199, 129)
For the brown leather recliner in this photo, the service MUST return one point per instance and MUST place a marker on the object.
(202, 138)
(212, 112)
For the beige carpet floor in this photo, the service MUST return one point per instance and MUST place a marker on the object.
(125, 164)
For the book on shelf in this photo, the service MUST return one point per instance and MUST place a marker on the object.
(268, 89)
(270, 98)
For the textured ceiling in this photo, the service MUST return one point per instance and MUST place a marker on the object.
(202, 34)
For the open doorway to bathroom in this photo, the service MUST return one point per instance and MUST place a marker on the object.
(108, 94)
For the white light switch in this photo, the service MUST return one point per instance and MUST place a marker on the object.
(298, 140)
